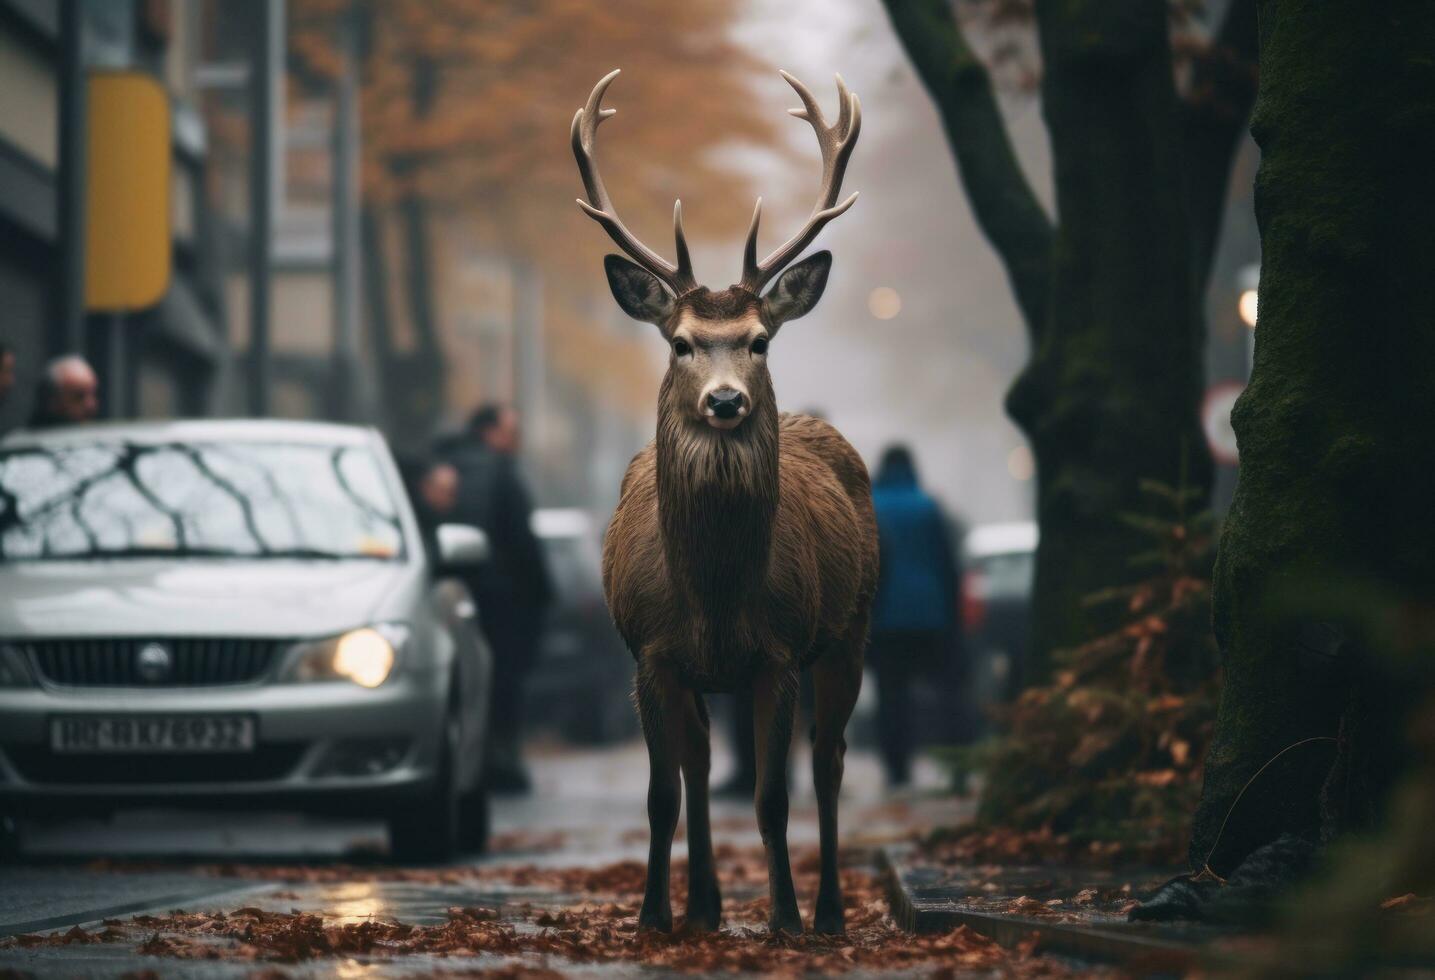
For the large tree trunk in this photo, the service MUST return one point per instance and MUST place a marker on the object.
(1111, 392)
(1111, 295)
(1326, 568)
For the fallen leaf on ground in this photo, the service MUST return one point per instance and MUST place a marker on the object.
(596, 932)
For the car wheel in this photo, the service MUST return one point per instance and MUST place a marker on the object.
(474, 820)
(425, 830)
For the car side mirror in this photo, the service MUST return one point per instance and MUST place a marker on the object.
(462, 546)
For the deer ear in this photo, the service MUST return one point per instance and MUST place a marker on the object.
(637, 290)
(798, 289)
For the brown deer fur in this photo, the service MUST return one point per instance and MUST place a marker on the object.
(743, 549)
(737, 558)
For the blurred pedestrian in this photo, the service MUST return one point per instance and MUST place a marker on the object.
(432, 487)
(68, 393)
(916, 622)
(514, 588)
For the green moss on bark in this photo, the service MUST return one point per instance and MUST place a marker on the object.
(1330, 526)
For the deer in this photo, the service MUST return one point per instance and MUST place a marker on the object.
(743, 550)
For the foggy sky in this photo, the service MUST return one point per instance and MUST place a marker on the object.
(935, 375)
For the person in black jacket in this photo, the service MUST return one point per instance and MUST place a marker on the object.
(432, 488)
(514, 588)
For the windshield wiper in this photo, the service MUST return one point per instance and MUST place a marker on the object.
(319, 554)
(302, 554)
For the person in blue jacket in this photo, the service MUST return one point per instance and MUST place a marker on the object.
(916, 614)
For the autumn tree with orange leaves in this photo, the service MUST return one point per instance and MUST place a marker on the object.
(465, 111)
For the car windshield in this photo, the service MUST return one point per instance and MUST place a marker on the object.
(195, 500)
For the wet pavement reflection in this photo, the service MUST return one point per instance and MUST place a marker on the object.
(578, 842)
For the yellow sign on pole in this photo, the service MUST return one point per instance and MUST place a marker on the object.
(127, 221)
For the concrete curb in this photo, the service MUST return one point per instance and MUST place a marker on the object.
(1143, 954)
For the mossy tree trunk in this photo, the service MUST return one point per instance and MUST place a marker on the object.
(1326, 570)
(1111, 293)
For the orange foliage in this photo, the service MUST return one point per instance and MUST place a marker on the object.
(490, 151)
(510, 75)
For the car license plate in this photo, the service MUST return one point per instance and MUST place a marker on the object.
(152, 733)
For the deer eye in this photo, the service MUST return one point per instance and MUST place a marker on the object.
(759, 346)
(682, 348)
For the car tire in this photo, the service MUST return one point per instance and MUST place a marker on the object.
(426, 829)
(474, 820)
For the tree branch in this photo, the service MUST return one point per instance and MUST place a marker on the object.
(1214, 116)
(1006, 210)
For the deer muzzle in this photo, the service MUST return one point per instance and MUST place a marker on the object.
(725, 407)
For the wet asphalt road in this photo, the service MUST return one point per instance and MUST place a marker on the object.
(587, 809)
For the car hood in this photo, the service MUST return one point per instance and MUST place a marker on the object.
(194, 598)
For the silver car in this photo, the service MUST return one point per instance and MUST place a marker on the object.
(235, 612)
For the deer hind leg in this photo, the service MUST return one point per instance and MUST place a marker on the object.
(774, 700)
(661, 709)
(836, 680)
(704, 898)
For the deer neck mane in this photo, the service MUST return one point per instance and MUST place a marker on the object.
(717, 500)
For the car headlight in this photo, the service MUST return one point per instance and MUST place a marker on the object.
(14, 667)
(366, 656)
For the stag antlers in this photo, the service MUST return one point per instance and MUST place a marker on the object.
(835, 142)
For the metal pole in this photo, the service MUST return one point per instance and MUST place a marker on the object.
(528, 361)
(347, 390)
(264, 107)
(116, 379)
(69, 335)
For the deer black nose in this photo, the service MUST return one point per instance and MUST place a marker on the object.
(725, 402)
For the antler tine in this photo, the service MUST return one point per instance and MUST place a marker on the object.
(685, 263)
(810, 110)
(836, 143)
(844, 103)
(749, 251)
(599, 206)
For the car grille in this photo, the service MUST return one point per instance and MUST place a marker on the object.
(38, 764)
(192, 662)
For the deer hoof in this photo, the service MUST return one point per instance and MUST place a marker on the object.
(785, 922)
(650, 920)
(702, 921)
(704, 913)
(829, 922)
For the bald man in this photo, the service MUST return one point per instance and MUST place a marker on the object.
(69, 393)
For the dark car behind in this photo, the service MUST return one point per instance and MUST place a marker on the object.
(581, 687)
(996, 607)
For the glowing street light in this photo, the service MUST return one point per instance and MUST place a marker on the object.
(1248, 279)
(1247, 306)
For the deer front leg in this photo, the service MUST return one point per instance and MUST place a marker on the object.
(660, 708)
(836, 681)
(774, 700)
(704, 898)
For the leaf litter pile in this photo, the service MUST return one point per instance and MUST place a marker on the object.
(601, 929)
(1102, 764)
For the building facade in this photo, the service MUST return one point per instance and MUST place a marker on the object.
(170, 356)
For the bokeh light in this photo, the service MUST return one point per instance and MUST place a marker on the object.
(1247, 306)
(1020, 464)
(884, 302)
